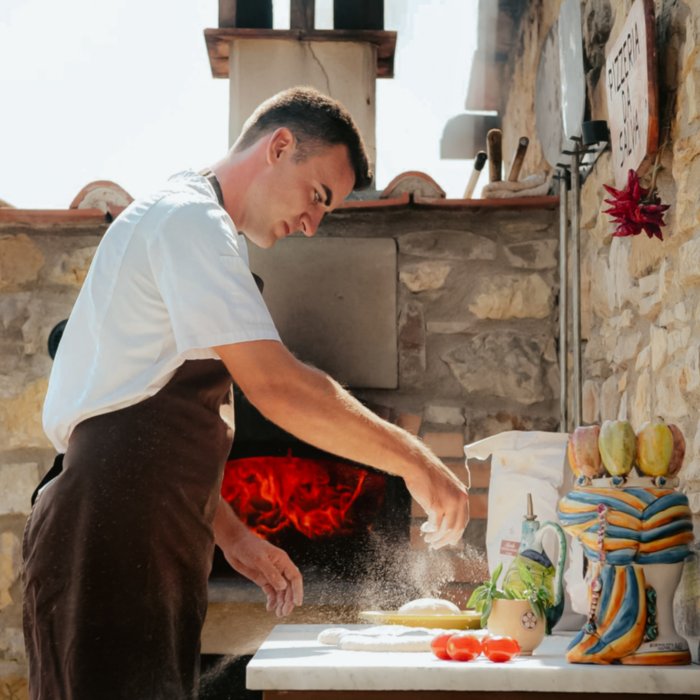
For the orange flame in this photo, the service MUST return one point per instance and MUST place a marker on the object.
(314, 496)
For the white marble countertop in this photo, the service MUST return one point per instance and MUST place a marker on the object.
(292, 659)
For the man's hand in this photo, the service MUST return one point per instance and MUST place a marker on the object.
(258, 560)
(445, 500)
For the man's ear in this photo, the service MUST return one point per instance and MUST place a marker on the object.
(281, 142)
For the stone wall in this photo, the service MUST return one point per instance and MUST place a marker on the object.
(477, 323)
(640, 297)
(41, 270)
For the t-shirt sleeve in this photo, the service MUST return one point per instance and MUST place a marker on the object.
(204, 280)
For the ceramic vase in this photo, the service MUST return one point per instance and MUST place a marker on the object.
(516, 619)
(636, 534)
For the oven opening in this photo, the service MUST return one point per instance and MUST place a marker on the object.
(326, 512)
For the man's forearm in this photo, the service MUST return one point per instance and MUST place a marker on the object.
(309, 404)
(228, 527)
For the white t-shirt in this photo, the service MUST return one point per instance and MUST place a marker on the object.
(170, 279)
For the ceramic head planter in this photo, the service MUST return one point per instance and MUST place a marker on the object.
(635, 532)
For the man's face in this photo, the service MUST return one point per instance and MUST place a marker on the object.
(293, 195)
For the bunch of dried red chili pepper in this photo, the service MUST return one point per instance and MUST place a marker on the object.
(635, 209)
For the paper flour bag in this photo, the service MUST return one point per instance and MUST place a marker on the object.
(525, 462)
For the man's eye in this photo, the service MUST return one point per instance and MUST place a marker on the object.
(317, 197)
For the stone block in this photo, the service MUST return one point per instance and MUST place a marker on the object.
(533, 255)
(590, 402)
(602, 291)
(458, 467)
(446, 415)
(693, 452)
(513, 222)
(506, 364)
(424, 276)
(689, 263)
(594, 350)
(412, 361)
(478, 506)
(609, 398)
(13, 681)
(621, 279)
(71, 267)
(670, 402)
(691, 368)
(677, 341)
(686, 604)
(480, 473)
(650, 306)
(645, 254)
(448, 327)
(622, 382)
(447, 245)
(10, 565)
(648, 284)
(445, 444)
(640, 410)
(680, 311)
(666, 279)
(21, 261)
(410, 422)
(666, 317)
(20, 417)
(626, 347)
(17, 482)
(658, 347)
(622, 320)
(412, 326)
(481, 426)
(643, 358)
(43, 313)
(508, 296)
(690, 472)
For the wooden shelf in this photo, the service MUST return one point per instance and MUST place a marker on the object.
(219, 44)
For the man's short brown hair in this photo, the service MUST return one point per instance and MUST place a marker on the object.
(316, 120)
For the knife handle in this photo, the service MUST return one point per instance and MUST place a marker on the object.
(478, 167)
(493, 148)
(518, 158)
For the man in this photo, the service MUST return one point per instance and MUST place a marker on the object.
(118, 547)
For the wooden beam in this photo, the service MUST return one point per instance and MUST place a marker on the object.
(251, 14)
(219, 44)
(358, 14)
(302, 15)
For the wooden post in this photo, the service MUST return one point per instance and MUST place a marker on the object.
(358, 14)
(302, 15)
(493, 149)
(245, 14)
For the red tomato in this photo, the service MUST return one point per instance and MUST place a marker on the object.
(463, 646)
(500, 649)
(438, 645)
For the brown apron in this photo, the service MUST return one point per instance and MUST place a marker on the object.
(119, 546)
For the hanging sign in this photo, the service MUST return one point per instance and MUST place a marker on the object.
(632, 92)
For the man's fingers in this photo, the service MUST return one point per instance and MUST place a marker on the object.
(271, 594)
(296, 582)
(433, 530)
(273, 573)
(288, 602)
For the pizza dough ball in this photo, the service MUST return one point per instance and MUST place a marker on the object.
(429, 606)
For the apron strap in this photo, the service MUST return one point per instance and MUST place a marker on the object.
(214, 182)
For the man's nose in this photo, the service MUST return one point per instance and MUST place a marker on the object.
(310, 223)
